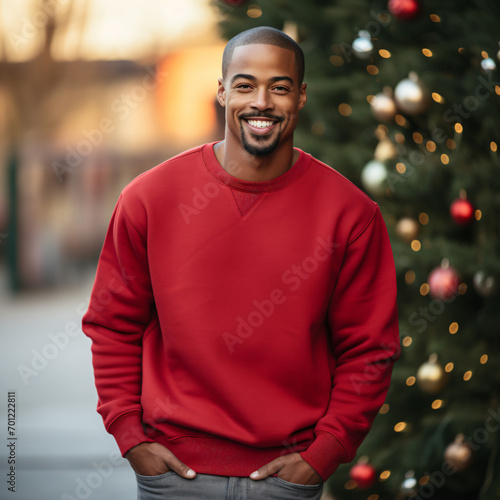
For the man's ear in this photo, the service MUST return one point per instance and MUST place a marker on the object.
(302, 95)
(221, 93)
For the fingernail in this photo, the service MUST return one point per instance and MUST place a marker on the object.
(255, 474)
(190, 473)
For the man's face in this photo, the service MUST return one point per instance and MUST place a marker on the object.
(262, 97)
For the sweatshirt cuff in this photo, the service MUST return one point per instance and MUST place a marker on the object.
(325, 454)
(128, 431)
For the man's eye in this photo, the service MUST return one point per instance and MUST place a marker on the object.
(244, 86)
(281, 88)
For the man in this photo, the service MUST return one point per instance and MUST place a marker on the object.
(243, 316)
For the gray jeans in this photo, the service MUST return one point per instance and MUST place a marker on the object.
(209, 487)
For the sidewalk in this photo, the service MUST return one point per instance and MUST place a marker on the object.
(62, 451)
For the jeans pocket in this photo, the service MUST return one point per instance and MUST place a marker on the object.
(159, 477)
(304, 487)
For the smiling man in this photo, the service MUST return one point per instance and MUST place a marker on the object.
(243, 318)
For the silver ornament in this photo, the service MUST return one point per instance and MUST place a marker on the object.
(488, 65)
(363, 46)
(484, 285)
(373, 177)
(411, 96)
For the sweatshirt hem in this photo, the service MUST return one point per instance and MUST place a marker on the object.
(224, 457)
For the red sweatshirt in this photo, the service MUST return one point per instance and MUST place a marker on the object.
(236, 321)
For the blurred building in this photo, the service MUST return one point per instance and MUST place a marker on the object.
(99, 125)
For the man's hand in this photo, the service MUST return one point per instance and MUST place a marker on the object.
(153, 459)
(292, 468)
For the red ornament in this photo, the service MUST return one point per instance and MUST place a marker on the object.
(404, 9)
(364, 475)
(443, 282)
(462, 211)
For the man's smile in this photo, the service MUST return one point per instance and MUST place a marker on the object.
(260, 125)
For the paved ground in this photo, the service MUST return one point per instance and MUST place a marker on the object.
(62, 450)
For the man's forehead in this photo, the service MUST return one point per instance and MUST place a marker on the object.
(249, 49)
(262, 55)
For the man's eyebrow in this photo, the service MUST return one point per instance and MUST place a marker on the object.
(244, 76)
(252, 78)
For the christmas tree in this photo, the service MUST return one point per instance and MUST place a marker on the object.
(404, 100)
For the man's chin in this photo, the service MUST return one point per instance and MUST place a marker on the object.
(260, 147)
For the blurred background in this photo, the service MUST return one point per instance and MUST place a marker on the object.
(403, 99)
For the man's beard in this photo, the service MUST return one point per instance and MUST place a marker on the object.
(256, 150)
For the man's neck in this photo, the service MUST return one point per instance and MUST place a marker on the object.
(243, 165)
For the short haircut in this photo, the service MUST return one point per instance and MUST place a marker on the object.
(267, 36)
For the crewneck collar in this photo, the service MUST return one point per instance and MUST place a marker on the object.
(283, 180)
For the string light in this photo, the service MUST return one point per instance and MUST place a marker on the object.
(369, 98)
(424, 289)
(345, 109)
(400, 120)
(399, 138)
(449, 367)
(451, 144)
(401, 167)
(416, 245)
(384, 53)
(373, 497)
(431, 146)
(417, 137)
(467, 375)
(407, 341)
(423, 218)
(435, 18)
(462, 288)
(484, 359)
(458, 128)
(336, 60)
(453, 328)
(254, 11)
(478, 214)
(384, 409)
(427, 52)
(384, 476)
(493, 146)
(410, 381)
(445, 159)
(436, 404)
(372, 69)
(437, 97)
(484, 54)
(350, 485)
(409, 277)
(400, 426)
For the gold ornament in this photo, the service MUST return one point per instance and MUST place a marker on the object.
(383, 106)
(459, 453)
(385, 150)
(431, 376)
(407, 229)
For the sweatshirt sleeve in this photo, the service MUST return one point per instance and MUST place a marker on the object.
(362, 318)
(119, 312)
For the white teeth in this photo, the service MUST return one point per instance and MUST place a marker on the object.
(259, 123)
